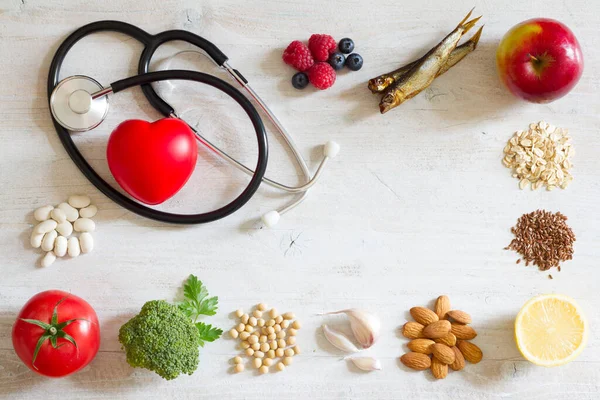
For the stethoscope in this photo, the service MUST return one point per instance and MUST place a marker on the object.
(79, 103)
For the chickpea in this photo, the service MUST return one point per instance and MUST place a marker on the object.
(260, 322)
(270, 330)
(252, 321)
(271, 354)
(292, 332)
(268, 362)
(280, 366)
(265, 347)
(233, 333)
(285, 324)
(240, 327)
(279, 352)
(252, 339)
(280, 334)
(239, 312)
(272, 336)
(257, 363)
(273, 344)
(291, 340)
(296, 324)
(244, 336)
(264, 369)
(287, 361)
(277, 328)
(296, 349)
(259, 354)
(249, 328)
(237, 360)
(256, 346)
(257, 313)
(278, 319)
(289, 352)
(245, 318)
(281, 343)
(261, 307)
(238, 368)
(273, 313)
(262, 339)
(289, 315)
(249, 351)
(244, 345)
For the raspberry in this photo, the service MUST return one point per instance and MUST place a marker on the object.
(321, 75)
(321, 45)
(298, 56)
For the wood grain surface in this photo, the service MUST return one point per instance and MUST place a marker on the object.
(417, 203)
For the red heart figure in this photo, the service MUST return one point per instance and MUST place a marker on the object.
(152, 161)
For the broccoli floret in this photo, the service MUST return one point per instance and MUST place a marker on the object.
(161, 338)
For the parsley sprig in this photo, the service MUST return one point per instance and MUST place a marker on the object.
(197, 303)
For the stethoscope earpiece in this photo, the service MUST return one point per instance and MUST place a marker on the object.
(72, 105)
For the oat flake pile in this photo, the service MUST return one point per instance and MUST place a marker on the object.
(543, 238)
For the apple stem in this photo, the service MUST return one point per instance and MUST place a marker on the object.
(534, 58)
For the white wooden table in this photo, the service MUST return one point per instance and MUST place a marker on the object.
(417, 203)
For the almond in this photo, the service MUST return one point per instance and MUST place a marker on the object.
(438, 368)
(442, 306)
(463, 332)
(471, 352)
(443, 353)
(449, 340)
(412, 330)
(423, 315)
(437, 330)
(460, 316)
(417, 361)
(459, 360)
(422, 346)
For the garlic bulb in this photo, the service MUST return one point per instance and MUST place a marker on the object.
(339, 340)
(365, 326)
(366, 363)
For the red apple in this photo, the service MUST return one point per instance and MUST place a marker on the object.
(539, 60)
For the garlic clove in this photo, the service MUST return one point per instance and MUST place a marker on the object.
(339, 340)
(366, 363)
(365, 326)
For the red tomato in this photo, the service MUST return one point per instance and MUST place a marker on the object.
(64, 326)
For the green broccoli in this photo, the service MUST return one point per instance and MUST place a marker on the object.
(163, 339)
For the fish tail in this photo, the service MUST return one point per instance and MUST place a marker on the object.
(468, 25)
(465, 18)
(475, 39)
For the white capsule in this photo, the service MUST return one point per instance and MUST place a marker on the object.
(86, 242)
(58, 215)
(42, 213)
(71, 213)
(45, 227)
(84, 225)
(36, 239)
(73, 248)
(60, 246)
(48, 240)
(48, 259)
(79, 201)
(88, 212)
(65, 228)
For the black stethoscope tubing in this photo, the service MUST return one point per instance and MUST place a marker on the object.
(151, 43)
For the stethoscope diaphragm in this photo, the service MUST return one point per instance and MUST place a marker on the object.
(72, 104)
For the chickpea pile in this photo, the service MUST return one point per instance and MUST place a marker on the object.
(266, 336)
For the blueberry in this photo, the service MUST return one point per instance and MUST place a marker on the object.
(337, 60)
(354, 62)
(346, 45)
(300, 80)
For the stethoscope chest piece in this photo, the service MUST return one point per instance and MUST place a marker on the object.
(72, 104)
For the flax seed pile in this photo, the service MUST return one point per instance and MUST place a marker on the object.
(543, 238)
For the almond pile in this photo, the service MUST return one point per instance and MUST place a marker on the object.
(440, 339)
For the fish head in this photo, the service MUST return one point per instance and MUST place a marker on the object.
(391, 99)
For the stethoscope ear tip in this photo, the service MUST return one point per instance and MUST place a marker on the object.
(271, 218)
(331, 149)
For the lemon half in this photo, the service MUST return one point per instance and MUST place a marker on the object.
(551, 330)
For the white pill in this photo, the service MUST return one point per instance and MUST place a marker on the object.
(36, 239)
(71, 213)
(65, 228)
(60, 246)
(86, 242)
(58, 215)
(48, 259)
(42, 213)
(48, 240)
(79, 201)
(88, 212)
(45, 227)
(84, 225)
(73, 248)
